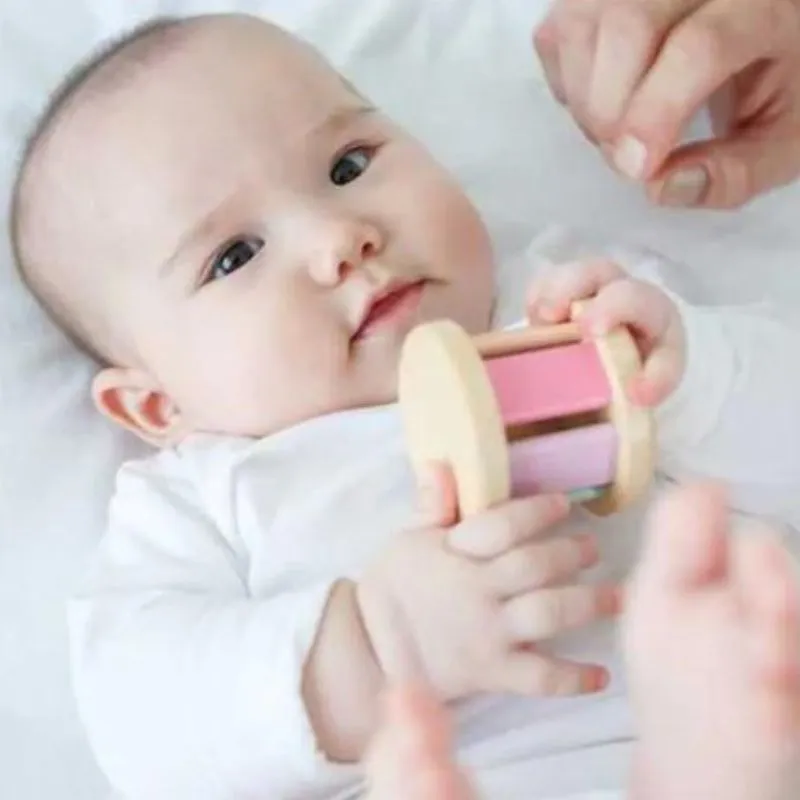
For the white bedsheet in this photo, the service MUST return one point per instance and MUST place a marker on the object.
(457, 72)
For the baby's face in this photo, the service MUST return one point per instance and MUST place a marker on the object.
(275, 237)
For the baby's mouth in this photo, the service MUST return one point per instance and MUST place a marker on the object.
(390, 307)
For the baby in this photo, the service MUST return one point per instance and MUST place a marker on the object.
(243, 242)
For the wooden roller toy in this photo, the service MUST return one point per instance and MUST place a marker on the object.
(538, 409)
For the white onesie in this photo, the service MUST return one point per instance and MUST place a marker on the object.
(191, 631)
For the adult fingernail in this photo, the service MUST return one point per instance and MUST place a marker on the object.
(630, 157)
(685, 187)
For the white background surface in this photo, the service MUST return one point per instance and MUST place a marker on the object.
(459, 74)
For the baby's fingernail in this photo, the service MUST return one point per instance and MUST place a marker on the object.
(549, 313)
(685, 187)
(595, 680)
(641, 392)
(630, 157)
(592, 326)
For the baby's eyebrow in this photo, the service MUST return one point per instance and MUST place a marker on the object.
(203, 227)
(341, 117)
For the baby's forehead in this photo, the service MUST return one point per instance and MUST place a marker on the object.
(238, 71)
(228, 74)
(229, 100)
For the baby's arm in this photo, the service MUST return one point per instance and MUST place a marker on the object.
(190, 687)
(736, 413)
(342, 680)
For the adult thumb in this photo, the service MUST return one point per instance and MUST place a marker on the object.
(687, 538)
(437, 504)
(729, 172)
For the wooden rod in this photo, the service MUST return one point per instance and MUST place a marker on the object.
(507, 343)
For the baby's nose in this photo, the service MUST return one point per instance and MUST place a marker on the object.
(345, 246)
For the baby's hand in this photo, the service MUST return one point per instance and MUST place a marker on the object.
(462, 608)
(614, 298)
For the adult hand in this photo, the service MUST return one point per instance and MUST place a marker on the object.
(633, 73)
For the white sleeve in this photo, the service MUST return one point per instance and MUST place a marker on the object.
(190, 688)
(736, 415)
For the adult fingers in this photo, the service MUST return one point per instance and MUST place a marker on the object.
(545, 42)
(700, 54)
(411, 757)
(629, 35)
(577, 23)
(728, 173)
(686, 543)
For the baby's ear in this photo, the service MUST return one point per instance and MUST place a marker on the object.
(131, 399)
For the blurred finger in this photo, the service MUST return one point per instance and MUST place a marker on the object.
(545, 42)
(492, 533)
(700, 54)
(542, 614)
(551, 297)
(536, 566)
(532, 674)
(412, 757)
(769, 598)
(628, 37)
(686, 544)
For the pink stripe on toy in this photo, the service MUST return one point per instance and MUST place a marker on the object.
(560, 462)
(545, 384)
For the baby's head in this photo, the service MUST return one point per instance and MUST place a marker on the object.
(238, 235)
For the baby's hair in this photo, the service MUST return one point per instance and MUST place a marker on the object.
(104, 69)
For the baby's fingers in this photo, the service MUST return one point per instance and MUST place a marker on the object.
(541, 564)
(642, 307)
(527, 672)
(655, 324)
(551, 297)
(533, 617)
(508, 525)
(659, 377)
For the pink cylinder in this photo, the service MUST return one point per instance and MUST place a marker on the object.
(564, 461)
(546, 384)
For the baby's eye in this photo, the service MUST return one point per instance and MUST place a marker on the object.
(350, 166)
(234, 256)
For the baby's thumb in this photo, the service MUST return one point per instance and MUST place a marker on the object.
(436, 496)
